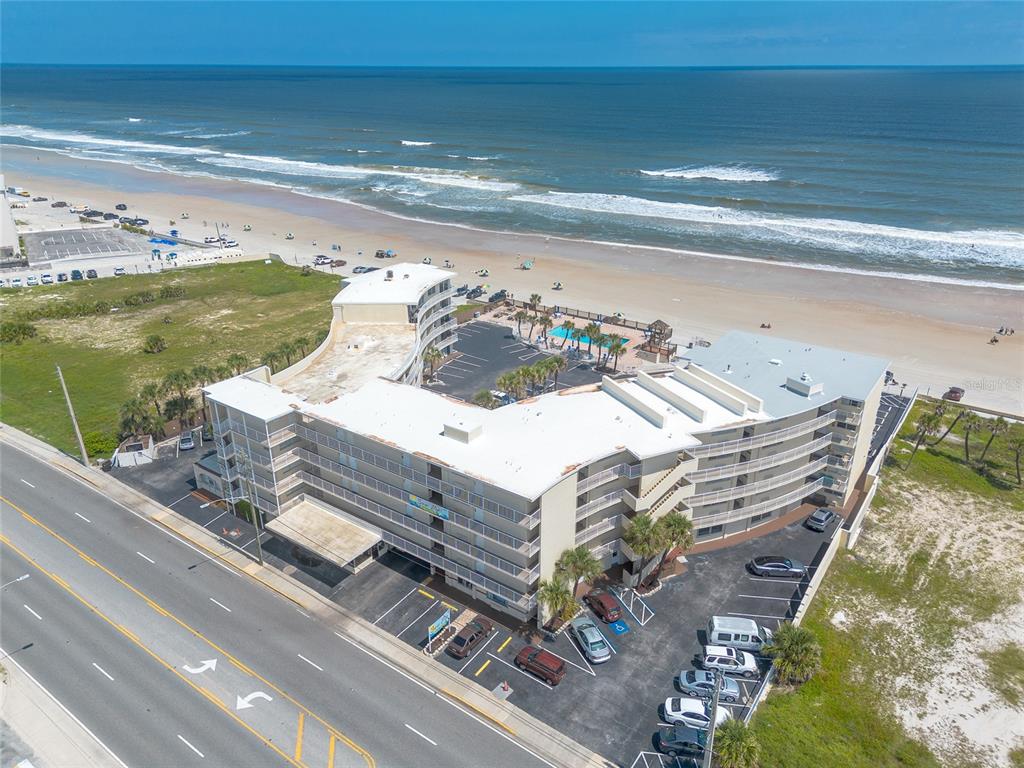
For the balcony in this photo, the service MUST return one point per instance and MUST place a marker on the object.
(433, 301)
(604, 476)
(739, 491)
(608, 524)
(765, 462)
(598, 504)
(742, 513)
(757, 441)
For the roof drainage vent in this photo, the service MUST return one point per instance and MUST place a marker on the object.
(805, 385)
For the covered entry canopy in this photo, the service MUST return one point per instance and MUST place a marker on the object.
(324, 531)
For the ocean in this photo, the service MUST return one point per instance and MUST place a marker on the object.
(903, 171)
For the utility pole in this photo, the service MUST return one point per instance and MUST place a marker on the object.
(74, 421)
(709, 746)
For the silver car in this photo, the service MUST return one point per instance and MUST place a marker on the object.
(700, 682)
(590, 640)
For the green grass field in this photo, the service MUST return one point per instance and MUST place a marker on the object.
(844, 716)
(246, 308)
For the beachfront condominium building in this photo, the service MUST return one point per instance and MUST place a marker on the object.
(346, 456)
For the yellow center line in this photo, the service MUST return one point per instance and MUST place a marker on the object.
(485, 665)
(367, 757)
(425, 593)
(502, 646)
(330, 752)
(298, 737)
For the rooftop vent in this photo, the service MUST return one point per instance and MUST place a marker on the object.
(775, 361)
(463, 431)
(728, 369)
(805, 385)
(390, 275)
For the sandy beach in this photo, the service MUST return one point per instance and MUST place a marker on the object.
(936, 334)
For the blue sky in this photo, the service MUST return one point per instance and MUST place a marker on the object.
(498, 33)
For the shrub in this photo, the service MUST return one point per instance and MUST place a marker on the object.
(154, 344)
(99, 443)
(172, 292)
(16, 331)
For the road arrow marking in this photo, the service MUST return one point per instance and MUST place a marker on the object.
(245, 703)
(210, 664)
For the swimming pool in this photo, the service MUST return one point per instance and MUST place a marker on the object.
(561, 333)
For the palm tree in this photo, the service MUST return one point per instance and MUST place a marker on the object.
(485, 399)
(795, 652)
(180, 382)
(534, 301)
(940, 409)
(302, 344)
(590, 332)
(644, 537)
(677, 532)
(287, 349)
(154, 392)
(926, 424)
(203, 375)
(432, 357)
(181, 408)
(578, 564)
(971, 423)
(1017, 446)
(271, 360)
(134, 415)
(736, 745)
(600, 340)
(553, 594)
(224, 371)
(557, 364)
(545, 322)
(568, 326)
(238, 362)
(507, 382)
(995, 428)
(519, 317)
(320, 336)
(577, 334)
(616, 349)
(533, 324)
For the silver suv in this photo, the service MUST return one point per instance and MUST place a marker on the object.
(729, 660)
(590, 640)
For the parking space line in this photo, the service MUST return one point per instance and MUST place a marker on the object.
(425, 593)
(454, 375)
(411, 623)
(766, 597)
(514, 344)
(450, 606)
(466, 362)
(475, 357)
(485, 665)
(758, 615)
(218, 517)
(520, 671)
(507, 641)
(588, 669)
(481, 650)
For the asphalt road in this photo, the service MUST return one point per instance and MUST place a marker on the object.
(207, 665)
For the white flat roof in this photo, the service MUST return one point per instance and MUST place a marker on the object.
(525, 447)
(405, 286)
(263, 401)
(335, 537)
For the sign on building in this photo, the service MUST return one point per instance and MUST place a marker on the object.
(428, 506)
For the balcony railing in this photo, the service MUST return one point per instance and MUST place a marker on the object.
(433, 301)
(732, 515)
(599, 503)
(765, 462)
(608, 524)
(620, 470)
(756, 441)
(739, 491)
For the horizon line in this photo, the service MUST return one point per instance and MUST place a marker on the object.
(517, 66)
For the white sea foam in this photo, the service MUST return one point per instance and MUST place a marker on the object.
(407, 143)
(70, 137)
(134, 119)
(716, 172)
(216, 135)
(481, 157)
(988, 247)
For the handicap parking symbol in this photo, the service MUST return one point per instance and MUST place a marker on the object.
(619, 627)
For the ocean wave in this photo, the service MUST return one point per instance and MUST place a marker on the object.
(215, 135)
(983, 247)
(29, 133)
(134, 119)
(407, 143)
(716, 172)
(481, 157)
(283, 166)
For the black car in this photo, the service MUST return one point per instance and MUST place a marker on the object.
(462, 291)
(91, 274)
(126, 220)
(476, 293)
(76, 274)
(38, 199)
(62, 277)
(776, 565)
(498, 296)
(681, 740)
(92, 214)
(121, 207)
(821, 519)
(109, 216)
(59, 204)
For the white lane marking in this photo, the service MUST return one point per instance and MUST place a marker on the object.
(520, 671)
(181, 499)
(220, 604)
(218, 517)
(151, 560)
(7, 657)
(453, 375)
(83, 517)
(188, 744)
(389, 610)
(33, 612)
(480, 650)
(475, 357)
(304, 613)
(757, 615)
(588, 669)
(765, 597)
(387, 664)
(317, 666)
(411, 623)
(26, 482)
(425, 738)
(103, 671)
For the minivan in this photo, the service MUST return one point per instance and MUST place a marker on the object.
(729, 660)
(734, 632)
(543, 664)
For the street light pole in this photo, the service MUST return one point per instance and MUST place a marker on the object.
(15, 581)
(74, 421)
(709, 745)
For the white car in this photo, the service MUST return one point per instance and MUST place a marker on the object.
(15, 282)
(119, 271)
(695, 713)
(32, 280)
(729, 660)
(230, 243)
(46, 279)
(211, 240)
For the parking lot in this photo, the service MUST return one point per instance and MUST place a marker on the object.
(890, 411)
(75, 243)
(611, 707)
(485, 351)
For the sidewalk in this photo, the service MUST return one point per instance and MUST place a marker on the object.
(541, 739)
(35, 728)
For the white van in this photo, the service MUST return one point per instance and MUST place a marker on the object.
(734, 632)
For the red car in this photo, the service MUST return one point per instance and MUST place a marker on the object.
(544, 665)
(469, 637)
(604, 605)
